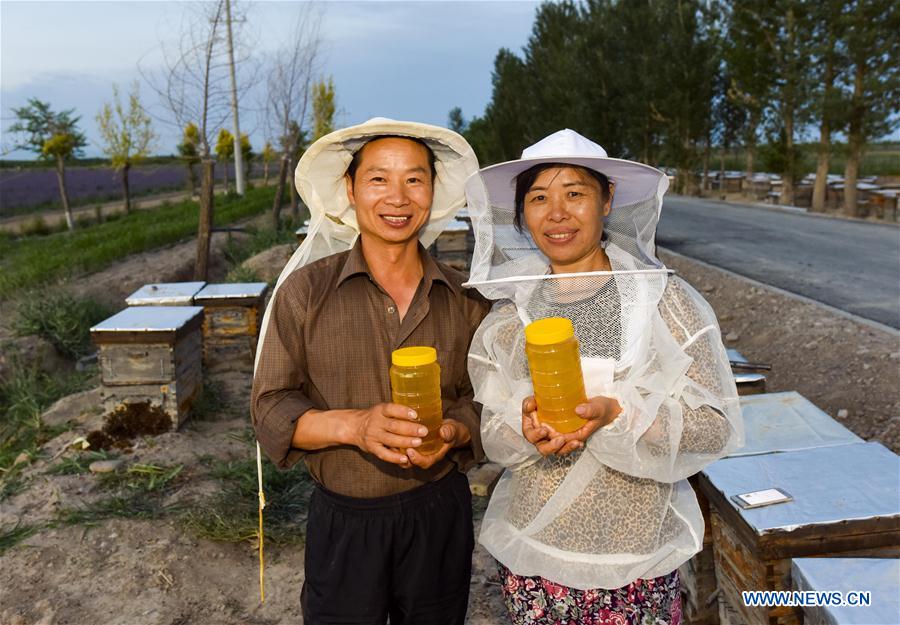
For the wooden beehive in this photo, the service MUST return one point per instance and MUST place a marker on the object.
(165, 294)
(151, 354)
(232, 317)
(773, 422)
(879, 577)
(844, 503)
(452, 245)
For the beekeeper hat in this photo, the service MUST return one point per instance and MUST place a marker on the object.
(634, 182)
(320, 173)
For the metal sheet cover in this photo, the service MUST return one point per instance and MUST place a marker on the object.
(164, 293)
(149, 319)
(828, 484)
(787, 422)
(231, 291)
(880, 577)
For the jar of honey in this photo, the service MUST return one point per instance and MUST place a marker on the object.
(555, 365)
(416, 383)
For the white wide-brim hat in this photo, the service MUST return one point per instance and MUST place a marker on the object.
(319, 175)
(634, 182)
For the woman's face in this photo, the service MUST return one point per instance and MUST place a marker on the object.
(564, 211)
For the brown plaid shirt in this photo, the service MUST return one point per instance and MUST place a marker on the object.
(328, 346)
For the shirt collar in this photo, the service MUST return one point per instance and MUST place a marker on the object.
(356, 265)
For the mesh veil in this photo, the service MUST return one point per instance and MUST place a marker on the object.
(620, 509)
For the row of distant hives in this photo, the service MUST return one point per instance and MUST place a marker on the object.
(877, 194)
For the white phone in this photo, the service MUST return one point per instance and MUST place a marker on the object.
(759, 498)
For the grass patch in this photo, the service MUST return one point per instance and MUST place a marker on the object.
(11, 536)
(232, 516)
(242, 274)
(29, 262)
(79, 463)
(141, 478)
(138, 493)
(63, 319)
(129, 506)
(24, 395)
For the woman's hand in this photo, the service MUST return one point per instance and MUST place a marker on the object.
(598, 411)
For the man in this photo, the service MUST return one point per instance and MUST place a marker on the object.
(389, 532)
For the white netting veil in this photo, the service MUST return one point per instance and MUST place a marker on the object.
(619, 509)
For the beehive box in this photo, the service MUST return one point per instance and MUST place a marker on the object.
(151, 354)
(748, 382)
(231, 322)
(165, 294)
(844, 504)
(879, 577)
(773, 422)
(452, 245)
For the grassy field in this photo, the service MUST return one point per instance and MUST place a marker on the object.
(879, 159)
(31, 261)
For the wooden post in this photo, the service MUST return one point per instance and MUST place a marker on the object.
(204, 230)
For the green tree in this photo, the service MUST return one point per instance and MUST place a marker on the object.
(52, 136)
(127, 135)
(247, 155)
(189, 154)
(872, 85)
(455, 120)
(323, 108)
(224, 150)
(749, 64)
(268, 155)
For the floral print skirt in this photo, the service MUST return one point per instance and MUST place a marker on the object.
(538, 601)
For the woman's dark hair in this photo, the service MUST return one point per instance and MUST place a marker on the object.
(527, 178)
(357, 156)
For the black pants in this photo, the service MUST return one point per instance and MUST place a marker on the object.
(406, 556)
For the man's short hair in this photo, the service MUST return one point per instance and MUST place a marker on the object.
(357, 156)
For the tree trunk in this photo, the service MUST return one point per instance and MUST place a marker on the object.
(238, 154)
(279, 194)
(225, 175)
(854, 144)
(750, 148)
(706, 154)
(266, 174)
(192, 179)
(126, 192)
(722, 191)
(821, 185)
(63, 193)
(204, 230)
(788, 182)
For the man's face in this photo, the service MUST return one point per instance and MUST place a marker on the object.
(392, 190)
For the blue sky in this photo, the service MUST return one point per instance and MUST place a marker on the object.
(407, 60)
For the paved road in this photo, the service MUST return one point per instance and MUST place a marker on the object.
(854, 266)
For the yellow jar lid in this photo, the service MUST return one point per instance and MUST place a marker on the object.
(413, 356)
(548, 331)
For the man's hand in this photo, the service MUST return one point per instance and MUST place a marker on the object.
(598, 411)
(384, 429)
(454, 434)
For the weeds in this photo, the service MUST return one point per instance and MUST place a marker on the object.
(11, 536)
(242, 273)
(141, 478)
(61, 318)
(24, 395)
(129, 506)
(260, 240)
(232, 516)
(79, 463)
(138, 494)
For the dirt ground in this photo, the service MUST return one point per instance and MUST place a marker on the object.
(127, 571)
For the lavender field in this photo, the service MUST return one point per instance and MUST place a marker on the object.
(28, 190)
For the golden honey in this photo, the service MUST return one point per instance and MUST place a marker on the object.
(416, 383)
(555, 366)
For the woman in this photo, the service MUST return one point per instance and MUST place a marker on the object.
(591, 526)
